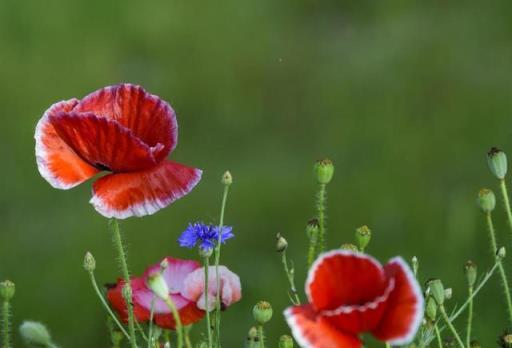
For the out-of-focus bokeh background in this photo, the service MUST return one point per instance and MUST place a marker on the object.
(405, 98)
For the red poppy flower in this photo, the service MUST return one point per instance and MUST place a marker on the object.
(351, 293)
(121, 129)
(174, 275)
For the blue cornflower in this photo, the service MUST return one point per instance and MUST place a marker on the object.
(204, 235)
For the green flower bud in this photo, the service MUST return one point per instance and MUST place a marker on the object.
(312, 228)
(350, 247)
(471, 272)
(505, 340)
(437, 290)
(501, 253)
(474, 344)
(253, 334)
(157, 284)
(285, 341)
(324, 170)
(262, 312)
(281, 243)
(7, 290)
(431, 308)
(36, 334)
(227, 179)
(205, 253)
(486, 200)
(89, 262)
(363, 236)
(497, 161)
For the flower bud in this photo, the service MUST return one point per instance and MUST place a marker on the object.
(227, 179)
(505, 340)
(253, 334)
(205, 253)
(437, 290)
(497, 161)
(157, 284)
(36, 334)
(471, 272)
(89, 262)
(324, 170)
(7, 290)
(285, 341)
(501, 253)
(281, 243)
(486, 200)
(164, 264)
(431, 308)
(363, 236)
(350, 247)
(312, 228)
(262, 312)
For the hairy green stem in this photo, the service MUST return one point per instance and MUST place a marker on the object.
(313, 241)
(6, 325)
(261, 336)
(186, 330)
(501, 268)
(179, 327)
(450, 326)
(206, 282)
(470, 317)
(217, 260)
(322, 193)
(504, 194)
(294, 297)
(118, 244)
(105, 304)
(438, 336)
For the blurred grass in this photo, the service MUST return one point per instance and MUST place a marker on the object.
(404, 97)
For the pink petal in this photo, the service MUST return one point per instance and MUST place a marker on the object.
(175, 273)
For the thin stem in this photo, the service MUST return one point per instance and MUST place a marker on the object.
(388, 345)
(186, 329)
(470, 317)
(321, 218)
(261, 336)
(6, 324)
(294, 297)
(151, 315)
(217, 259)
(206, 282)
(501, 268)
(105, 304)
(118, 244)
(438, 336)
(313, 241)
(179, 327)
(450, 326)
(504, 194)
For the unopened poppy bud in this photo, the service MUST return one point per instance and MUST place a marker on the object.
(505, 340)
(497, 161)
(437, 290)
(253, 334)
(486, 200)
(281, 243)
(157, 284)
(262, 312)
(363, 236)
(227, 179)
(7, 290)
(471, 272)
(312, 228)
(89, 262)
(35, 334)
(431, 308)
(205, 253)
(324, 170)
(501, 253)
(285, 341)
(474, 344)
(350, 247)
(448, 293)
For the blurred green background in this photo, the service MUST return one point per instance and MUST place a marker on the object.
(404, 97)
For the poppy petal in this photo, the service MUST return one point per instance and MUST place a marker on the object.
(189, 314)
(56, 161)
(102, 142)
(149, 118)
(404, 312)
(143, 193)
(175, 273)
(344, 278)
(117, 301)
(311, 331)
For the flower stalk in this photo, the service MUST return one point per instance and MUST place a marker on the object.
(206, 281)
(7, 291)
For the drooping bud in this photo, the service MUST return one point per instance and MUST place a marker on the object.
(7, 290)
(363, 237)
(431, 308)
(471, 272)
(157, 284)
(35, 334)
(324, 170)
(497, 161)
(486, 200)
(350, 247)
(285, 341)
(262, 312)
(281, 243)
(227, 179)
(501, 253)
(89, 262)
(437, 290)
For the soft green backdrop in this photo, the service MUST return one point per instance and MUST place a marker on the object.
(404, 97)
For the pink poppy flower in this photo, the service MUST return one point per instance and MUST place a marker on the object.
(351, 293)
(120, 129)
(174, 276)
(230, 288)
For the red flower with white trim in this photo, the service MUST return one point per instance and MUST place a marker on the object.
(121, 129)
(351, 293)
